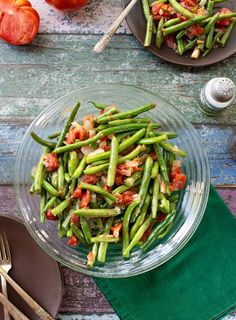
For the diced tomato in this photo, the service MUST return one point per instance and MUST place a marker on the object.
(51, 162)
(116, 230)
(224, 22)
(190, 3)
(161, 217)
(19, 22)
(162, 10)
(70, 136)
(153, 155)
(77, 193)
(80, 133)
(195, 30)
(90, 256)
(104, 138)
(119, 179)
(77, 132)
(73, 241)
(178, 178)
(75, 219)
(170, 41)
(103, 145)
(90, 178)
(147, 233)
(51, 216)
(67, 4)
(88, 122)
(107, 189)
(85, 199)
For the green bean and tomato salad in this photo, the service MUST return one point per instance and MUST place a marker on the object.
(188, 25)
(113, 178)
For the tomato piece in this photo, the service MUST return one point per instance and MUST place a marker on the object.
(119, 179)
(67, 4)
(70, 136)
(19, 25)
(91, 178)
(77, 193)
(51, 216)
(80, 133)
(190, 3)
(116, 230)
(73, 241)
(195, 30)
(161, 217)
(178, 178)
(224, 22)
(107, 189)
(153, 155)
(51, 162)
(147, 233)
(85, 199)
(75, 219)
(170, 41)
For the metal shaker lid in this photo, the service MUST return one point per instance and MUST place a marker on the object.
(222, 89)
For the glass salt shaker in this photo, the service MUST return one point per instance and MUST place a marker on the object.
(217, 95)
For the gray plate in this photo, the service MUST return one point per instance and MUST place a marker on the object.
(137, 25)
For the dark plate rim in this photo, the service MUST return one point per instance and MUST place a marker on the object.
(196, 63)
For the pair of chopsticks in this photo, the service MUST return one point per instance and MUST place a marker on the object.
(101, 45)
(17, 314)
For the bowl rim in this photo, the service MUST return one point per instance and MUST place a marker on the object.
(184, 240)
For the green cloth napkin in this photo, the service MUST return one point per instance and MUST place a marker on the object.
(198, 283)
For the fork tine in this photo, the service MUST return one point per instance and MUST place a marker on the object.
(2, 248)
(7, 249)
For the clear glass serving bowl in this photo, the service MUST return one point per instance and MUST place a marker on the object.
(191, 206)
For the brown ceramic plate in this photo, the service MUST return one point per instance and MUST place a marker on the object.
(137, 24)
(37, 273)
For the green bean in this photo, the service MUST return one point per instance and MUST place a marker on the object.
(141, 217)
(79, 144)
(128, 121)
(61, 177)
(174, 149)
(158, 230)
(164, 233)
(180, 46)
(108, 112)
(226, 15)
(171, 22)
(211, 23)
(98, 163)
(111, 174)
(155, 170)
(190, 45)
(54, 179)
(181, 9)
(105, 238)
(201, 44)
(49, 188)
(102, 127)
(183, 25)
(42, 141)
(62, 206)
(180, 35)
(104, 245)
(54, 135)
(38, 177)
(153, 140)
(123, 146)
(210, 7)
(66, 222)
(65, 158)
(130, 181)
(91, 257)
(227, 33)
(169, 134)
(209, 38)
(146, 8)
(158, 2)
(49, 204)
(98, 105)
(96, 189)
(73, 162)
(123, 188)
(138, 235)
(72, 186)
(215, 40)
(43, 201)
(155, 194)
(78, 233)
(161, 162)
(159, 34)
(78, 172)
(144, 186)
(149, 32)
(95, 169)
(126, 127)
(128, 114)
(67, 125)
(67, 177)
(126, 223)
(86, 229)
(202, 3)
(94, 213)
(164, 204)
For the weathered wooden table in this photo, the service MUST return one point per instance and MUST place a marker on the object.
(59, 60)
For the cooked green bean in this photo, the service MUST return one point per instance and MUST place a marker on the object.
(78, 233)
(153, 140)
(38, 177)
(159, 34)
(128, 121)
(210, 7)
(180, 35)
(171, 22)
(110, 110)
(190, 45)
(54, 135)
(105, 238)
(49, 188)
(43, 202)
(49, 204)
(155, 195)
(155, 170)
(181, 9)
(215, 40)
(111, 174)
(61, 177)
(72, 162)
(62, 206)
(96, 189)
(174, 149)
(42, 141)
(130, 181)
(180, 46)
(227, 33)
(183, 25)
(86, 229)
(102, 250)
(92, 255)
(78, 172)
(149, 31)
(102, 213)
(98, 105)
(161, 162)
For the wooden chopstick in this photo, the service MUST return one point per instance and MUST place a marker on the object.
(27, 298)
(16, 313)
(103, 42)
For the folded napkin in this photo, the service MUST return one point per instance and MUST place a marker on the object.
(198, 283)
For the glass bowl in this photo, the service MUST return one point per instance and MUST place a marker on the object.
(190, 209)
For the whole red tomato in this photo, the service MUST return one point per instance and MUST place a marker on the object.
(67, 4)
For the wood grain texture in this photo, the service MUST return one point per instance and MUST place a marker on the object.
(81, 295)
(216, 141)
(33, 76)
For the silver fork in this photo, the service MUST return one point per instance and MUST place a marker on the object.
(5, 263)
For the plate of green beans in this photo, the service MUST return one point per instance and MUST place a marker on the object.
(114, 185)
(187, 32)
